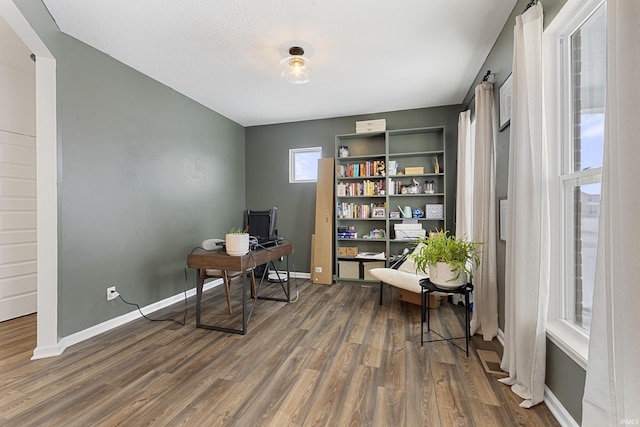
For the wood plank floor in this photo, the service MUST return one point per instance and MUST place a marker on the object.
(333, 358)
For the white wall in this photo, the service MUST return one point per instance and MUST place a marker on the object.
(18, 282)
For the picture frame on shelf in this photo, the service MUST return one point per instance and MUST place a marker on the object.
(378, 213)
(505, 103)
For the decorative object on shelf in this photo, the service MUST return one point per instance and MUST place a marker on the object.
(377, 233)
(434, 211)
(429, 187)
(378, 213)
(295, 68)
(393, 168)
(448, 260)
(406, 211)
(414, 170)
(394, 214)
(237, 242)
(417, 213)
(436, 165)
(343, 151)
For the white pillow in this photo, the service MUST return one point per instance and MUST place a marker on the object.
(399, 279)
(409, 265)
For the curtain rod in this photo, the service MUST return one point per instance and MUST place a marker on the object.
(531, 3)
(484, 79)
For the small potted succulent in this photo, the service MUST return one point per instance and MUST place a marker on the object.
(237, 242)
(446, 259)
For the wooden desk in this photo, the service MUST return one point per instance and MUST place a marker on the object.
(219, 260)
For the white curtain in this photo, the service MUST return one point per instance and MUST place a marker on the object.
(528, 244)
(485, 292)
(464, 182)
(612, 388)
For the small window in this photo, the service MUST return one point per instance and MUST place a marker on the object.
(303, 164)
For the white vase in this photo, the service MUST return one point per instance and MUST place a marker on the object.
(441, 275)
(237, 244)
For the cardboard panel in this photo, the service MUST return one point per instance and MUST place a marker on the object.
(322, 250)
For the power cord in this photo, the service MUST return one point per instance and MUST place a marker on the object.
(184, 318)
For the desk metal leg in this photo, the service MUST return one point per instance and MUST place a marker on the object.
(288, 281)
(244, 302)
(287, 290)
(198, 297)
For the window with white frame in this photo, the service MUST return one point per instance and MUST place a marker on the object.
(582, 81)
(303, 164)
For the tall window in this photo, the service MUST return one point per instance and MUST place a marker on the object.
(583, 67)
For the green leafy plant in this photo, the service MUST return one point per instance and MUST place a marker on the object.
(238, 230)
(461, 254)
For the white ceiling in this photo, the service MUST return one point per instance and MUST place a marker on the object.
(367, 56)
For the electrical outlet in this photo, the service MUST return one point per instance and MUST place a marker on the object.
(112, 293)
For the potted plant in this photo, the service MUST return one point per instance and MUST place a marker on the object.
(237, 242)
(446, 259)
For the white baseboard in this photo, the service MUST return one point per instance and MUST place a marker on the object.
(558, 410)
(40, 353)
(57, 350)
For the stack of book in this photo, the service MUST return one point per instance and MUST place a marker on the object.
(347, 232)
(365, 126)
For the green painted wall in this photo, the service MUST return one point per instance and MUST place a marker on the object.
(145, 174)
(564, 377)
(267, 165)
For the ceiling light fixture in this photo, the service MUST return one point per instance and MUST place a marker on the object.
(295, 68)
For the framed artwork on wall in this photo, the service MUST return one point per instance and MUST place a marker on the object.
(504, 206)
(505, 103)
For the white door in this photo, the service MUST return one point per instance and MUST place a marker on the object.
(17, 177)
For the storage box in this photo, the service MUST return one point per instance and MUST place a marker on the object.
(367, 266)
(434, 211)
(414, 170)
(349, 269)
(347, 250)
(414, 298)
(379, 125)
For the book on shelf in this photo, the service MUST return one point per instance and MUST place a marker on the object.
(366, 187)
(369, 168)
(353, 235)
(347, 210)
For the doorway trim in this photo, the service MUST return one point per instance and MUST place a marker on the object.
(47, 180)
